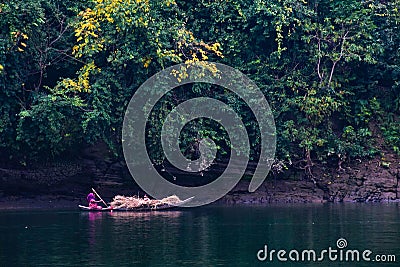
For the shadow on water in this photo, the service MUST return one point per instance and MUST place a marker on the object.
(207, 236)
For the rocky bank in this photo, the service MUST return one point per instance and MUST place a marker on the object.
(374, 180)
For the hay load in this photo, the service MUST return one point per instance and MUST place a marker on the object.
(171, 200)
(134, 202)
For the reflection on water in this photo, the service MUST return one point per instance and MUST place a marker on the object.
(143, 216)
(208, 236)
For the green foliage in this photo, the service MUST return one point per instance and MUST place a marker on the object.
(35, 47)
(51, 125)
(329, 69)
(391, 134)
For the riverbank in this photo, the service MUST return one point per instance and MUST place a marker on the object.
(271, 192)
(48, 202)
(65, 185)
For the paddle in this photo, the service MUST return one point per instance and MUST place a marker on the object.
(94, 191)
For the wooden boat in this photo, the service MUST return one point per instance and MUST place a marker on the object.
(85, 208)
(144, 208)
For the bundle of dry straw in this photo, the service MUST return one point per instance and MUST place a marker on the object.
(123, 202)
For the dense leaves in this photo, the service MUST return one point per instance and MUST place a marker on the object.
(329, 69)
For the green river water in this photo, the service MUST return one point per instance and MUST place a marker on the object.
(206, 236)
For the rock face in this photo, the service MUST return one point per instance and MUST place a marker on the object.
(375, 180)
(366, 182)
(73, 178)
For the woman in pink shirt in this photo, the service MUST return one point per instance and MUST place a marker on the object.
(92, 202)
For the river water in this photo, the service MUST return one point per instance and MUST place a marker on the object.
(206, 236)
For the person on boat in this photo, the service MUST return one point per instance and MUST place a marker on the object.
(93, 202)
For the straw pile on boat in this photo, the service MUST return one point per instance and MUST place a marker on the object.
(134, 202)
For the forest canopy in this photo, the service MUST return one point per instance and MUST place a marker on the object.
(329, 70)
